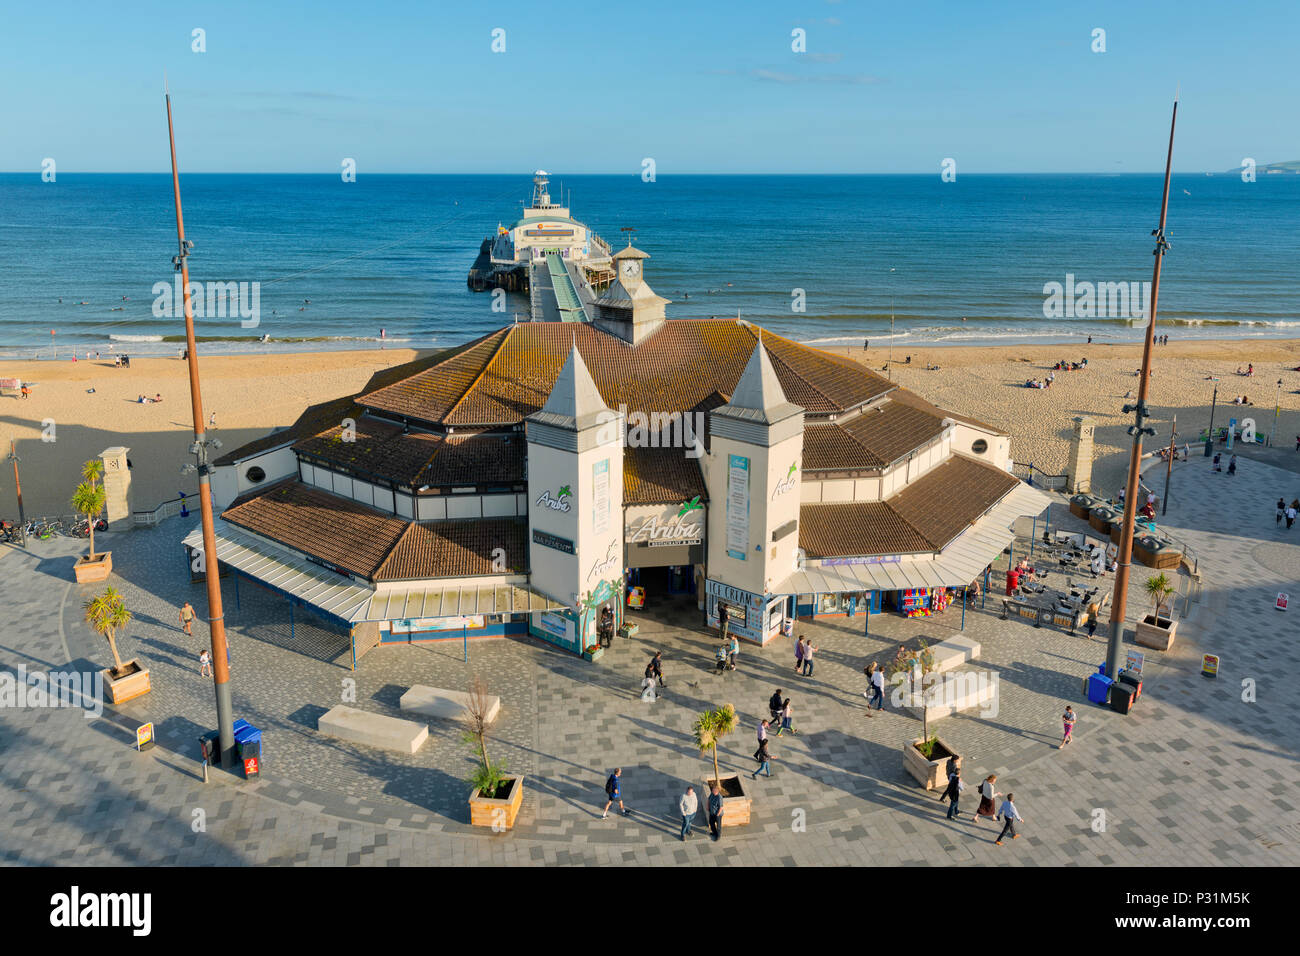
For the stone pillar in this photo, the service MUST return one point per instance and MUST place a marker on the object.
(117, 487)
(1078, 474)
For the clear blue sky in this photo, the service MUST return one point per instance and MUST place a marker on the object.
(699, 86)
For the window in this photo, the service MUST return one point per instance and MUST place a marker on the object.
(980, 446)
(255, 474)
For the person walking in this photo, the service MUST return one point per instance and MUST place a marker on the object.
(1067, 719)
(877, 687)
(648, 685)
(1281, 510)
(657, 666)
(1290, 516)
(953, 793)
(1009, 815)
(764, 758)
(715, 812)
(808, 658)
(1218, 457)
(688, 804)
(987, 795)
(614, 792)
(733, 651)
(187, 617)
(1093, 611)
(1232, 465)
(798, 655)
(212, 420)
(787, 712)
(723, 618)
(205, 663)
(763, 725)
(775, 704)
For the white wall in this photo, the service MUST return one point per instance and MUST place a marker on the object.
(230, 481)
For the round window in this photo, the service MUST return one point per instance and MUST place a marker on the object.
(980, 446)
(255, 474)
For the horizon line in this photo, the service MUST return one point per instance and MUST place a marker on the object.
(637, 174)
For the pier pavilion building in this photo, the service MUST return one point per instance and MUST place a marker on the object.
(521, 482)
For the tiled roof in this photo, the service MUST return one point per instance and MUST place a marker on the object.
(337, 530)
(509, 375)
(420, 458)
(923, 517)
(916, 401)
(456, 549)
(948, 498)
(654, 476)
(859, 527)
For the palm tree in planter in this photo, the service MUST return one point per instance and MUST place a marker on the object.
(1154, 630)
(496, 796)
(89, 500)
(924, 759)
(106, 615)
(709, 728)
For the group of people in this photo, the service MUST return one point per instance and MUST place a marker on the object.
(1218, 463)
(146, 400)
(1165, 452)
(1039, 382)
(1249, 371)
(1064, 366)
(1287, 511)
(1240, 400)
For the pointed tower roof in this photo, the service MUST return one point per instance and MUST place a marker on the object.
(574, 401)
(758, 395)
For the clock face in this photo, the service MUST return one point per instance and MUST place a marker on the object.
(631, 268)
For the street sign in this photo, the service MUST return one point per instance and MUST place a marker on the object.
(1210, 665)
(1133, 664)
(144, 736)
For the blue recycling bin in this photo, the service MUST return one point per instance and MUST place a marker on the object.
(248, 745)
(1099, 688)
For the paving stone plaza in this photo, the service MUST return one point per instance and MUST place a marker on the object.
(1201, 772)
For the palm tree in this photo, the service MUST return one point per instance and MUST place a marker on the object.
(1158, 587)
(710, 727)
(89, 499)
(106, 614)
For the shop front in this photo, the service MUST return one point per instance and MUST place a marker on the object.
(663, 547)
(753, 617)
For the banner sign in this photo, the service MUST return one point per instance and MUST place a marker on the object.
(1210, 665)
(144, 736)
(1282, 599)
(737, 507)
(600, 496)
(548, 540)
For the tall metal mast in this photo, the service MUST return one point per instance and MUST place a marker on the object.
(1141, 413)
(200, 448)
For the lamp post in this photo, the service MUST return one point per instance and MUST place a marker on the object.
(200, 449)
(1119, 603)
(1277, 407)
(890, 364)
(18, 487)
(1209, 440)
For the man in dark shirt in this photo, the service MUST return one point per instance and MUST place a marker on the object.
(715, 812)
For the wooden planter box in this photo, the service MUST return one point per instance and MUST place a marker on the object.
(928, 773)
(735, 802)
(629, 630)
(1081, 504)
(1156, 632)
(1156, 553)
(92, 572)
(498, 812)
(1100, 518)
(131, 685)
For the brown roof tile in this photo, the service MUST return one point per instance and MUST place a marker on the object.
(859, 527)
(485, 459)
(946, 500)
(336, 530)
(456, 549)
(653, 476)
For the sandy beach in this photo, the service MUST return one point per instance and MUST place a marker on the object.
(251, 395)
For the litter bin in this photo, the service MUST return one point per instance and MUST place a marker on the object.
(1121, 697)
(1099, 686)
(210, 747)
(248, 745)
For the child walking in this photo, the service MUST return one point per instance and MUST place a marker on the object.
(786, 712)
(1067, 719)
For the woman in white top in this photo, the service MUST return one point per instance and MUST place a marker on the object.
(988, 793)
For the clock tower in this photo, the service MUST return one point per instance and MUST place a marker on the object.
(629, 308)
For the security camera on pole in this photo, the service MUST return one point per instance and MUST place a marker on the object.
(1114, 649)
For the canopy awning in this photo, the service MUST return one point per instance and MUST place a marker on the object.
(356, 602)
(957, 565)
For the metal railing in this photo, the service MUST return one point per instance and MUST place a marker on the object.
(168, 509)
(1036, 476)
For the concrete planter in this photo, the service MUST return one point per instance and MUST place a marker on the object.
(593, 654)
(1156, 632)
(497, 812)
(1100, 518)
(132, 683)
(92, 572)
(928, 773)
(735, 802)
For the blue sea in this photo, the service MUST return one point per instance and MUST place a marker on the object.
(959, 263)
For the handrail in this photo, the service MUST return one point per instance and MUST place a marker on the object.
(1045, 477)
(167, 509)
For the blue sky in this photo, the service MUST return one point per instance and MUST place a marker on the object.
(585, 87)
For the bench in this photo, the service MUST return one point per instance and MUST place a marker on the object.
(448, 704)
(372, 730)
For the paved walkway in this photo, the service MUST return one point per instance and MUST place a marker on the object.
(1195, 775)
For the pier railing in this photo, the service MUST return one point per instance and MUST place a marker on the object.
(168, 509)
(1037, 477)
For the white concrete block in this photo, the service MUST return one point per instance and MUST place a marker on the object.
(954, 652)
(448, 704)
(373, 730)
(960, 690)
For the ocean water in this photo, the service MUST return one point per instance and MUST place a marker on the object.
(338, 262)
